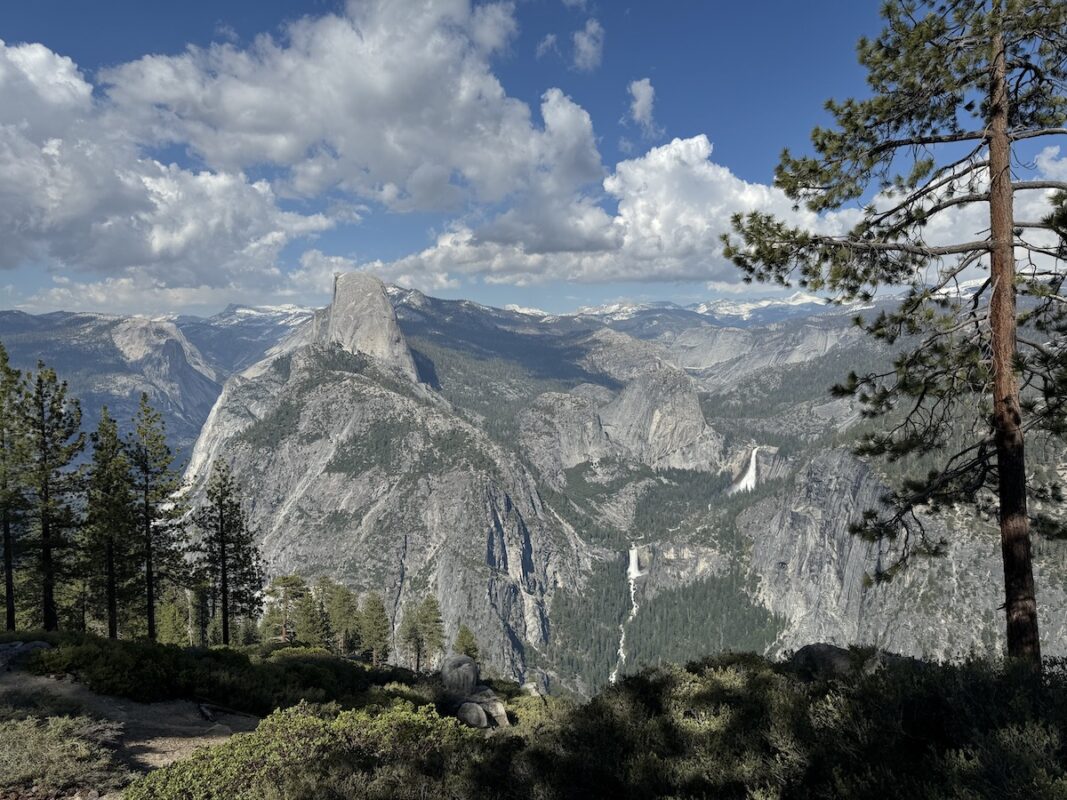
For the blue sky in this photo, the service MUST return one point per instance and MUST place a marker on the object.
(549, 153)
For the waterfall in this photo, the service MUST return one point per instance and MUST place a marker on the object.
(633, 572)
(748, 480)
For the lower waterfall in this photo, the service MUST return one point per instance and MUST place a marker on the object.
(633, 572)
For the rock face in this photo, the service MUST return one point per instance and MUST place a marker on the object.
(511, 463)
(110, 360)
(361, 320)
(813, 574)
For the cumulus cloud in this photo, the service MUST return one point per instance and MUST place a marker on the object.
(589, 46)
(642, 99)
(75, 193)
(672, 203)
(393, 102)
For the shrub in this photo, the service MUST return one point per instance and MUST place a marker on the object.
(398, 752)
(48, 746)
(243, 681)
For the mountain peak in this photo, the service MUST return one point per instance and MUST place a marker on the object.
(362, 320)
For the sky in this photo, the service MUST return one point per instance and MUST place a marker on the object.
(176, 157)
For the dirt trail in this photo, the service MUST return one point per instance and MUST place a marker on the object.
(154, 734)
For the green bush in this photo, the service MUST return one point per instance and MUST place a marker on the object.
(399, 752)
(49, 746)
(244, 681)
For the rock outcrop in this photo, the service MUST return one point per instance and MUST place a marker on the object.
(362, 320)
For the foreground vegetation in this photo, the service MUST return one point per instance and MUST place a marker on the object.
(732, 726)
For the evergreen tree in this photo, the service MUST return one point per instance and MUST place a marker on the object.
(410, 635)
(111, 521)
(432, 627)
(172, 618)
(312, 623)
(956, 85)
(342, 611)
(227, 554)
(465, 643)
(284, 593)
(13, 462)
(159, 512)
(375, 630)
(52, 422)
(422, 631)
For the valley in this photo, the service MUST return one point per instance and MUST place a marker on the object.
(590, 493)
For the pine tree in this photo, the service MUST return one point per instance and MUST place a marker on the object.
(422, 631)
(312, 623)
(13, 461)
(342, 611)
(465, 643)
(173, 618)
(432, 627)
(284, 593)
(410, 635)
(111, 520)
(956, 85)
(159, 510)
(375, 630)
(52, 422)
(227, 554)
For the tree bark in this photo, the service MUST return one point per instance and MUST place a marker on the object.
(1020, 601)
(9, 571)
(224, 577)
(112, 599)
(149, 567)
(48, 575)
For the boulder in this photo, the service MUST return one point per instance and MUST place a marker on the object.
(491, 705)
(459, 675)
(473, 715)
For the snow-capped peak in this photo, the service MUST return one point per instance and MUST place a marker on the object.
(744, 310)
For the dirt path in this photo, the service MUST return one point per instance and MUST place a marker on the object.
(154, 734)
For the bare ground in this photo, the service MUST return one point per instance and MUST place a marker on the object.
(154, 734)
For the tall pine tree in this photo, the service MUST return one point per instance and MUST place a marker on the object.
(284, 592)
(53, 425)
(159, 511)
(956, 85)
(13, 461)
(226, 553)
(375, 630)
(111, 516)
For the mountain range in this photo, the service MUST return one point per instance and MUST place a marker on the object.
(589, 492)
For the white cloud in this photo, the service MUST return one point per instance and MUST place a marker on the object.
(642, 99)
(77, 194)
(673, 203)
(548, 44)
(394, 102)
(589, 46)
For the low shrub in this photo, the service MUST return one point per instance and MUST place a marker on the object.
(48, 746)
(243, 681)
(398, 752)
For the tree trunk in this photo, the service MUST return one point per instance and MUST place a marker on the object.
(48, 574)
(1020, 602)
(112, 600)
(9, 571)
(224, 577)
(149, 567)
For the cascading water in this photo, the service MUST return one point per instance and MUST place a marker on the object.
(748, 480)
(633, 572)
